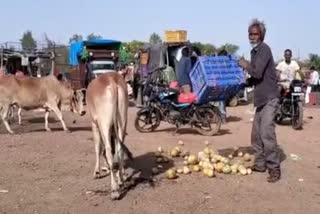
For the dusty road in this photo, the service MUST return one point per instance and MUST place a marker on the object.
(52, 172)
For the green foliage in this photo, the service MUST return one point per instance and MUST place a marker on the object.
(230, 48)
(206, 49)
(27, 41)
(92, 36)
(131, 48)
(124, 55)
(315, 61)
(155, 39)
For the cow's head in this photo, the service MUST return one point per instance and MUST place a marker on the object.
(77, 102)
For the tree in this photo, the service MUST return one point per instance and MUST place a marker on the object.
(155, 39)
(230, 48)
(133, 46)
(27, 41)
(124, 55)
(206, 49)
(315, 61)
(92, 36)
(76, 38)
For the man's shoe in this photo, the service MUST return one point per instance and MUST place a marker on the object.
(274, 175)
(258, 169)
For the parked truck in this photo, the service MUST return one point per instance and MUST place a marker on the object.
(91, 58)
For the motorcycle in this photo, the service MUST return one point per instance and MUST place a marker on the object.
(161, 105)
(291, 105)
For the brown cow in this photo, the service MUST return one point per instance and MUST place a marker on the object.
(107, 104)
(32, 93)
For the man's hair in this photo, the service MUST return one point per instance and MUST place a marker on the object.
(185, 51)
(288, 50)
(260, 25)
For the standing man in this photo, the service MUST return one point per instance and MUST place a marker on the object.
(266, 100)
(289, 70)
(183, 70)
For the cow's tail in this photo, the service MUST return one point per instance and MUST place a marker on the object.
(117, 124)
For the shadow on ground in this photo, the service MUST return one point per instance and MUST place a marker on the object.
(190, 131)
(140, 173)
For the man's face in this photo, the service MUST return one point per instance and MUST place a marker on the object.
(254, 36)
(287, 56)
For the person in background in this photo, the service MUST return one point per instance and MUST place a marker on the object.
(314, 78)
(194, 56)
(313, 83)
(266, 100)
(123, 70)
(183, 70)
(223, 104)
(141, 78)
(289, 70)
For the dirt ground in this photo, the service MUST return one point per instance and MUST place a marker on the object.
(52, 172)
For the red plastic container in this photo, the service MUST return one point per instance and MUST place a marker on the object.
(187, 98)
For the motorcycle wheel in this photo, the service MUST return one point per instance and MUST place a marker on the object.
(297, 119)
(147, 121)
(210, 122)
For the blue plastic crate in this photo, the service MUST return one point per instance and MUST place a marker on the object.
(216, 78)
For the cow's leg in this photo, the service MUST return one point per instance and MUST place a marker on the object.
(4, 116)
(46, 120)
(19, 115)
(57, 111)
(104, 127)
(105, 168)
(10, 114)
(122, 123)
(120, 154)
(97, 147)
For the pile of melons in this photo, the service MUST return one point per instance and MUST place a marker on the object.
(208, 161)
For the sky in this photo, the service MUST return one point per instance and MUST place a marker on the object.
(290, 24)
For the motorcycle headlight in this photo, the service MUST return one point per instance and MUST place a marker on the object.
(297, 89)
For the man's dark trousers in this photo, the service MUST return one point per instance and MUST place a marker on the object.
(263, 136)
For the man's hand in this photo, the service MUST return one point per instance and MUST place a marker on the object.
(243, 63)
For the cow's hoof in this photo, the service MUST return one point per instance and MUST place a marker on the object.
(115, 195)
(126, 177)
(105, 169)
(96, 175)
(68, 130)
(48, 130)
